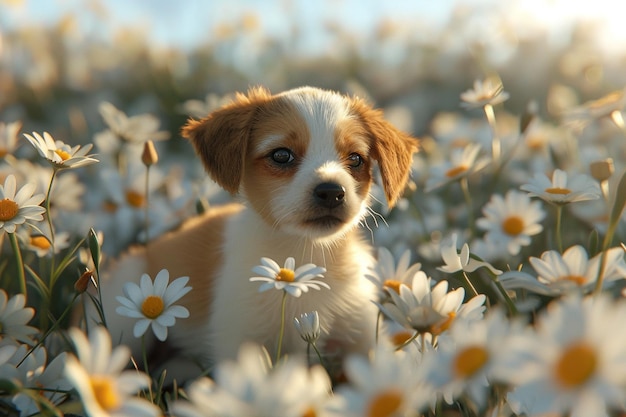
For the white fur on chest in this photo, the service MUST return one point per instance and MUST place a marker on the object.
(240, 313)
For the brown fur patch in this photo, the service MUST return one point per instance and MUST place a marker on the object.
(221, 138)
(352, 137)
(392, 149)
(194, 250)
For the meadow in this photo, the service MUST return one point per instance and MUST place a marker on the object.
(500, 272)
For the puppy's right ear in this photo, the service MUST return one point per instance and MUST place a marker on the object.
(221, 138)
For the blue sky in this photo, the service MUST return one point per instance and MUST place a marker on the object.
(186, 22)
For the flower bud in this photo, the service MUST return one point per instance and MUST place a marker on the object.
(602, 170)
(149, 156)
(82, 283)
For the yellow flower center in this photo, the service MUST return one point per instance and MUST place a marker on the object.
(40, 242)
(469, 361)
(152, 306)
(63, 154)
(286, 275)
(384, 404)
(400, 338)
(135, 199)
(558, 190)
(576, 365)
(3, 152)
(309, 412)
(392, 284)
(453, 172)
(576, 279)
(443, 325)
(513, 225)
(8, 209)
(104, 390)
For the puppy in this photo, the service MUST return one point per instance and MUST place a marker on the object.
(302, 163)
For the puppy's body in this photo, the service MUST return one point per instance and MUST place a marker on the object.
(302, 163)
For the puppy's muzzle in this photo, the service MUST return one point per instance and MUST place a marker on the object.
(329, 195)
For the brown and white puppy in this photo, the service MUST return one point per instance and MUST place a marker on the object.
(302, 163)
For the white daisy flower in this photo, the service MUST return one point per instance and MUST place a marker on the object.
(251, 387)
(386, 275)
(308, 325)
(580, 116)
(8, 137)
(33, 370)
(134, 129)
(428, 308)
(14, 317)
(104, 387)
(561, 189)
(455, 262)
(18, 206)
(288, 278)
(486, 92)
(558, 274)
(387, 383)
(512, 220)
(463, 163)
(59, 154)
(580, 369)
(475, 358)
(152, 303)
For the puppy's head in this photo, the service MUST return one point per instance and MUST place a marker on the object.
(303, 159)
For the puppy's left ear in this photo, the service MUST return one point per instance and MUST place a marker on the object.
(391, 148)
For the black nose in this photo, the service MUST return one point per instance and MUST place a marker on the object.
(329, 194)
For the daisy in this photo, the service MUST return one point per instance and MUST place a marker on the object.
(387, 275)
(308, 325)
(8, 137)
(387, 383)
(561, 190)
(609, 105)
(33, 372)
(14, 317)
(18, 206)
(428, 308)
(487, 92)
(289, 279)
(455, 262)
(251, 387)
(41, 244)
(474, 359)
(463, 163)
(580, 369)
(59, 154)
(152, 303)
(134, 129)
(558, 274)
(97, 373)
(512, 220)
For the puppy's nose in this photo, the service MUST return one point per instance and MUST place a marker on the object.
(329, 194)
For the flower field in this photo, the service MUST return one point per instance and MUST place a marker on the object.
(500, 273)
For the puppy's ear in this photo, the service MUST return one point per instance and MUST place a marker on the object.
(391, 148)
(221, 138)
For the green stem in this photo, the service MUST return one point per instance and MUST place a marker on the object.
(147, 220)
(47, 206)
(55, 324)
(464, 182)
(282, 326)
(469, 282)
(144, 354)
(21, 276)
(559, 217)
(319, 354)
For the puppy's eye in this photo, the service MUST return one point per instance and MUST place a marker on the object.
(355, 160)
(282, 156)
